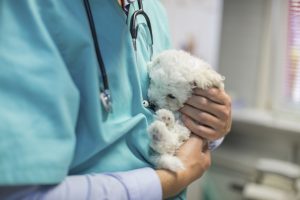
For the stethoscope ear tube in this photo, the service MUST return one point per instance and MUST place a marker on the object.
(134, 27)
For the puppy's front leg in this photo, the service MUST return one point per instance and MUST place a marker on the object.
(167, 117)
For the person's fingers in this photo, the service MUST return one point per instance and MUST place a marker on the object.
(214, 94)
(204, 118)
(200, 129)
(202, 103)
(215, 102)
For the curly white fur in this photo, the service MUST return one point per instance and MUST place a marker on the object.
(173, 76)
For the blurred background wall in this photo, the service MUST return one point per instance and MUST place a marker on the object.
(256, 46)
(195, 26)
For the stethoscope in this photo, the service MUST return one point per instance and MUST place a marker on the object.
(105, 95)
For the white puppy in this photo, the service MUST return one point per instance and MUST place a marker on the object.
(173, 76)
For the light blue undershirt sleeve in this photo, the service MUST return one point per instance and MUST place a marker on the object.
(215, 144)
(134, 185)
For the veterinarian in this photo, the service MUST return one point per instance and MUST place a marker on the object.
(59, 139)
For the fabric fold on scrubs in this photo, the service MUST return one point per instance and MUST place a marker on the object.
(39, 100)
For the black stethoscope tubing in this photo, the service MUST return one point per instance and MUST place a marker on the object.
(96, 44)
(134, 27)
(105, 92)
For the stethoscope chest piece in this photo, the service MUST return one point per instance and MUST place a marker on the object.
(106, 100)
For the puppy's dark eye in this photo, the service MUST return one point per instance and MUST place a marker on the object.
(171, 96)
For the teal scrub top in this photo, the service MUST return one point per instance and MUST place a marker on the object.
(52, 123)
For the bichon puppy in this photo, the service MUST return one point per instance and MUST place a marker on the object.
(173, 76)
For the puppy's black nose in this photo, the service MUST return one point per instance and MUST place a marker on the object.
(152, 106)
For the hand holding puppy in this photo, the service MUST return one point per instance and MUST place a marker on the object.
(176, 78)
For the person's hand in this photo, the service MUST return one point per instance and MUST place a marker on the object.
(196, 158)
(208, 113)
(196, 161)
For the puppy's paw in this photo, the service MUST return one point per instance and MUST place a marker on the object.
(166, 116)
(157, 131)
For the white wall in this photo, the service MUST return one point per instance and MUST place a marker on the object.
(241, 49)
(199, 19)
(252, 48)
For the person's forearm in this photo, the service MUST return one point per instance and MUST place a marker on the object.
(124, 185)
(171, 185)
